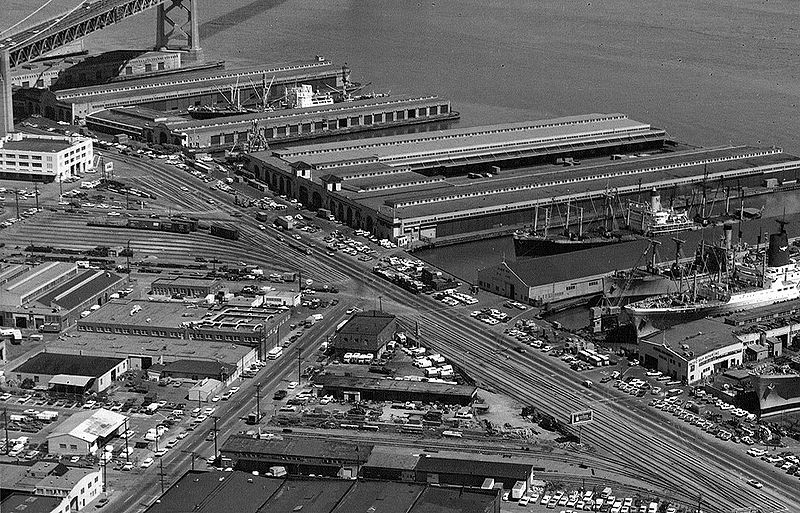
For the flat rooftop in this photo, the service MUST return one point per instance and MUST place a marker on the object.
(37, 144)
(70, 364)
(123, 346)
(212, 492)
(206, 79)
(299, 447)
(379, 497)
(559, 182)
(764, 312)
(80, 289)
(182, 281)
(420, 387)
(27, 503)
(353, 108)
(311, 496)
(136, 117)
(461, 142)
(455, 500)
(702, 336)
(149, 313)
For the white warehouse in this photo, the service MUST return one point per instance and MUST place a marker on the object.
(44, 158)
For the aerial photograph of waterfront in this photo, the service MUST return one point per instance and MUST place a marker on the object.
(280, 256)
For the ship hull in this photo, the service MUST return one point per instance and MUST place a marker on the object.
(543, 246)
(648, 320)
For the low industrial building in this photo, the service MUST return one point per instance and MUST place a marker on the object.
(44, 158)
(200, 369)
(31, 503)
(204, 390)
(693, 351)
(205, 492)
(144, 352)
(356, 389)
(463, 470)
(245, 325)
(281, 298)
(185, 287)
(365, 333)
(777, 394)
(72, 487)
(298, 456)
(54, 293)
(85, 432)
(69, 373)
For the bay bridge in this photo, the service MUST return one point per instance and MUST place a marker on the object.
(176, 29)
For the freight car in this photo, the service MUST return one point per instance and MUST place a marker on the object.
(225, 231)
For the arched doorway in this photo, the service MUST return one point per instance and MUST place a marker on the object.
(316, 201)
(358, 219)
(349, 216)
(303, 195)
(340, 217)
(370, 224)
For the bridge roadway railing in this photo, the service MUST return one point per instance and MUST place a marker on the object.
(89, 18)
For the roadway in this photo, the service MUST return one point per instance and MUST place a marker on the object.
(678, 464)
(230, 414)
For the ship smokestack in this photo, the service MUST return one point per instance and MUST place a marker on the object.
(728, 236)
(655, 201)
(778, 251)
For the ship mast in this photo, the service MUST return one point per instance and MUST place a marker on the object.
(566, 224)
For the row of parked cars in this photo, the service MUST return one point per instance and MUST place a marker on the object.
(591, 501)
(785, 461)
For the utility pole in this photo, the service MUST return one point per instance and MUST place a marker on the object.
(127, 450)
(36, 192)
(215, 436)
(161, 473)
(105, 474)
(299, 364)
(380, 302)
(16, 199)
(194, 456)
(258, 402)
(5, 424)
(60, 187)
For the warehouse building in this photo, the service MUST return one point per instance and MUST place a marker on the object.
(204, 390)
(464, 470)
(365, 333)
(182, 89)
(70, 373)
(51, 293)
(245, 325)
(299, 456)
(185, 287)
(72, 487)
(453, 185)
(693, 351)
(282, 125)
(357, 389)
(85, 432)
(44, 158)
(206, 492)
(78, 70)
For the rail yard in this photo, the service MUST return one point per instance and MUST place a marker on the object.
(204, 308)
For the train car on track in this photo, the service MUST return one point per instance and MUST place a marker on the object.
(225, 231)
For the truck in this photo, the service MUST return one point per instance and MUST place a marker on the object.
(324, 213)
(13, 334)
(289, 276)
(274, 353)
(284, 222)
(47, 416)
(518, 490)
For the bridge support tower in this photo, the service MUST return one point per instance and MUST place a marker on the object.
(6, 109)
(177, 27)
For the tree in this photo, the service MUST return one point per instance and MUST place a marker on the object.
(27, 384)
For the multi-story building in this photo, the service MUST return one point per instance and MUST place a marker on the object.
(44, 158)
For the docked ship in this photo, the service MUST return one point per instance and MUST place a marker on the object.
(653, 219)
(531, 245)
(779, 281)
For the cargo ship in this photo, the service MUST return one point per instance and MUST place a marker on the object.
(780, 281)
(652, 218)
